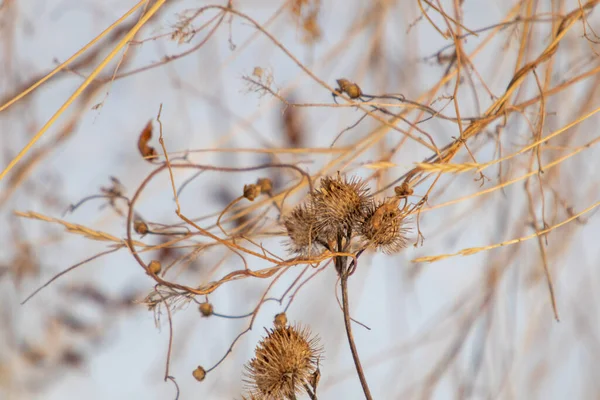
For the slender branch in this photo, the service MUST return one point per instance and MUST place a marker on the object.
(341, 266)
(348, 323)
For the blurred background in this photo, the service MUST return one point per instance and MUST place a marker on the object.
(251, 86)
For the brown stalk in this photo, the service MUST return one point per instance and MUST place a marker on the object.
(344, 271)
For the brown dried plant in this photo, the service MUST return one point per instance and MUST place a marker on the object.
(284, 363)
(478, 138)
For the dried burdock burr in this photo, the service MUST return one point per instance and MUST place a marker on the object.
(340, 205)
(301, 226)
(199, 374)
(284, 363)
(384, 227)
(206, 309)
(280, 320)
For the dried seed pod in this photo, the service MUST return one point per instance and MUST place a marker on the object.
(265, 185)
(301, 226)
(140, 227)
(284, 363)
(258, 72)
(280, 320)
(350, 88)
(403, 190)
(251, 191)
(206, 309)
(154, 267)
(384, 228)
(340, 206)
(146, 151)
(199, 373)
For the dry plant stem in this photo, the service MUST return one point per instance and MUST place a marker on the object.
(199, 167)
(500, 105)
(124, 41)
(343, 270)
(170, 348)
(71, 268)
(72, 58)
(348, 324)
(251, 324)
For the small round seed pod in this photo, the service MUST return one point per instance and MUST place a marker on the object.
(340, 205)
(265, 185)
(251, 191)
(140, 227)
(350, 88)
(384, 228)
(154, 267)
(301, 226)
(206, 309)
(199, 374)
(284, 363)
(280, 320)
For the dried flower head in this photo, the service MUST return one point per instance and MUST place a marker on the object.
(340, 205)
(301, 226)
(384, 227)
(284, 362)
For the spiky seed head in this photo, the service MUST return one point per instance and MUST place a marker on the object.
(280, 320)
(284, 362)
(340, 205)
(301, 226)
(384, 228)
(206, 309)
(199, 373)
